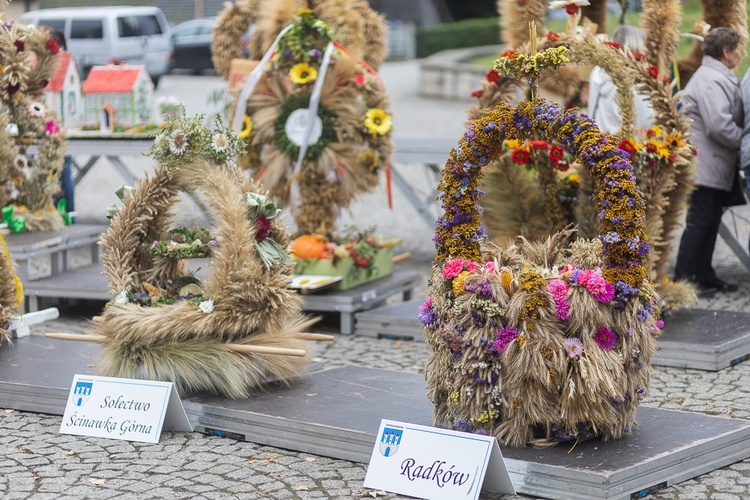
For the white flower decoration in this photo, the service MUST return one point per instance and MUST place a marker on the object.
(121, 298)
(162, 141)
(207, 306)
(20, 161)
(36, 109)
(178, 142)
(220, 142)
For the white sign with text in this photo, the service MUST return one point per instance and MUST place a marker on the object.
(121, 408)
(427, 462)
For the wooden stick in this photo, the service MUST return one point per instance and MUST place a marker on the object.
(78, 336)
(401, 257)
(241, 348)
(260, 349)
(314, 336)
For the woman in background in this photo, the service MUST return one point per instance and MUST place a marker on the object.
(712, 101)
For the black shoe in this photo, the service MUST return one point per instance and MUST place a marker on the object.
(724, 286)
(705, 291)
(719, 284)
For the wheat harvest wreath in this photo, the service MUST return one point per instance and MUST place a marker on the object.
(548, 342)
(224, 334)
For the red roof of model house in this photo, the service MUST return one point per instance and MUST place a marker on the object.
(111, 78)
(58, 79)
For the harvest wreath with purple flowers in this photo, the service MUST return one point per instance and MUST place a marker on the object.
(540, 342)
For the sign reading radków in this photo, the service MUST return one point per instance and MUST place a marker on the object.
(427, 462)
(120, 408)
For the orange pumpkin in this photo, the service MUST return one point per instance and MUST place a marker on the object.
(308, 246)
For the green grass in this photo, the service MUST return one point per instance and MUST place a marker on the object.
(691, 12)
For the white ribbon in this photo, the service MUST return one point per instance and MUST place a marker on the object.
(312, 112)
(252, 80)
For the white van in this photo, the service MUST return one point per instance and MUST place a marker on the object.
(98, 35)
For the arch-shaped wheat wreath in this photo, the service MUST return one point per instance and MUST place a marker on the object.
(545, 342)
(245, 299)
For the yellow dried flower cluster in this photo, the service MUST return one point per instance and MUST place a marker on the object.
(525, 66)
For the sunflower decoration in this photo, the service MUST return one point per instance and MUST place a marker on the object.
(32, 143)
(317, 166)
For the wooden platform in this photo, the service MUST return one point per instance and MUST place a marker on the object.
(336, 413)
(397, 321)
(704, 340)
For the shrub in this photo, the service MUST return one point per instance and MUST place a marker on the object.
(466, 33)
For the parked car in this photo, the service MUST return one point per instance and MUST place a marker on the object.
(98, 35)
(191, 45)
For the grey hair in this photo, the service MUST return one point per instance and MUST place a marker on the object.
(631, 37)
(719, 39)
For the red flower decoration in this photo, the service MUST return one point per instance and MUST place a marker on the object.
(53, 46)
(638, 56)
(477, 93)
(508, 53)
(262, 227)
(650, 148)
(667, 81)
(571, 9)
(556, 153)
(613, 44)
(538, 144)
(653, 71)
(626, 145)
(562, 166)
(359, 79)
(552, 36)
(493, 76)
(19, 45)
(520, 156)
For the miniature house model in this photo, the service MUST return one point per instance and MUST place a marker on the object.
(117, 95)
(63, 92)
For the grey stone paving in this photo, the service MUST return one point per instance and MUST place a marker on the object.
(37, 462)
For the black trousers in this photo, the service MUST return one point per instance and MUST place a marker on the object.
(699, 238)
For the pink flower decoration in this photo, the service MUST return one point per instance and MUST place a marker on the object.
(597, 286)
(504, 338)
(426, 305)
(606, 338)
(574, 347)
(659, 324)
(471, 266)
(453, 268)
(558, 289)
(52, 127)
(562, 310)
(359, 79)
(489, 266)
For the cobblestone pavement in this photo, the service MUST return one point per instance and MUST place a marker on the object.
(37, 462)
